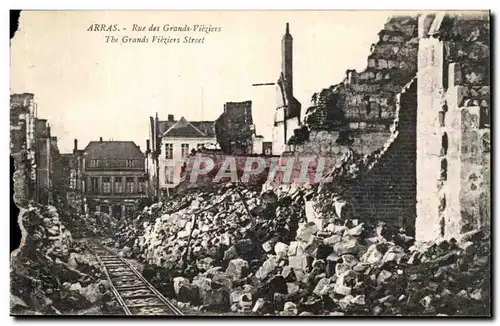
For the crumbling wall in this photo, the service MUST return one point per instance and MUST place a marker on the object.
(368, 96)
(332, 142)
(475, 175)
(453, 125)
(388, 191)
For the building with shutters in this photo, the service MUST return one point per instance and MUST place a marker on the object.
(171, 141)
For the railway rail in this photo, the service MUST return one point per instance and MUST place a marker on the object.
(133, 292)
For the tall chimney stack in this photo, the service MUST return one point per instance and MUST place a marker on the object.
(287, 60)
(147, 146)
(75, 147)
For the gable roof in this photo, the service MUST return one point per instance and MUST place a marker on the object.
(184, 128)
(164, 126)
(112, 149)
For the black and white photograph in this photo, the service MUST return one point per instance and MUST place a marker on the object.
(271, 163)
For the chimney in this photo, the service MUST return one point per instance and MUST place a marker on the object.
(170, 117)
(100, 139)
(75, 147)
(48, 130)
(53, 141)
(147, 146)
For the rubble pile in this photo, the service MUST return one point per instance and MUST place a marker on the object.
(97, 224)
(274, 253)
(50, 272)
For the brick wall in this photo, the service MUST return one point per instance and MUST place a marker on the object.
(368, 96)
(387, 192)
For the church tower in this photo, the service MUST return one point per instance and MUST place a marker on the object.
(287, 61)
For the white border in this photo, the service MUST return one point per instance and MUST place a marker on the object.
(205, 5)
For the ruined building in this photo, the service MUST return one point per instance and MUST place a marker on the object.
(22, 145)
(235, 130)
(425, 135)
(287, 116)
(453, 125)
(35, 152)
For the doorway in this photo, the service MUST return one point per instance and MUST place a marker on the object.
(116, 211)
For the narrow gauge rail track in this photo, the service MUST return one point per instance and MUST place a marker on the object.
(133, 292)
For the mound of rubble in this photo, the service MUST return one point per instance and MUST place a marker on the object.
(97, 224)
(241, 251)
(51, 273)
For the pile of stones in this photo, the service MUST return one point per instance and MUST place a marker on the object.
(50, 272)
(241, 251)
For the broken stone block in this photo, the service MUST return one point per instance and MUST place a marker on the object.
(292, 248)
(359, 300)
(204, 285)
(355, 231)
(306, 231)
(290, 307)
(383, 277)
(306, 313)
(288, 274)
(323, 287)
(281, 249)
(360, 267)
(267, 246)
(476, 295)
(205, 264)
(217, 299)
(230, 254)
(237, 268)
(341, 269)
(336, 313)
(332, 240)
(262, 306)
(223, 279)
(350, 260)
(374, 254)
(267, 268)
(342, 290)
(348, 245)
(292, 288)
(300, 262)
(345, 302)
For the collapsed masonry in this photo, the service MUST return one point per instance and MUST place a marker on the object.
(51, 273)
(429, 131)
(278, 253)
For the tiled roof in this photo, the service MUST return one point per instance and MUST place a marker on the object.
(112, 149)
(184, 128)
(164, 126)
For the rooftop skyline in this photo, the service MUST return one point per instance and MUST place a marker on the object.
(87, 88)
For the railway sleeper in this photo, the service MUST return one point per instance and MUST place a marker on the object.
(143, 301)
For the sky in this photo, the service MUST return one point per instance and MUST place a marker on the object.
(87, 88)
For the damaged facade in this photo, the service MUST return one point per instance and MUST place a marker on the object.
(35, 153)
(453, 125)
(23, 145)
(235, 130)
